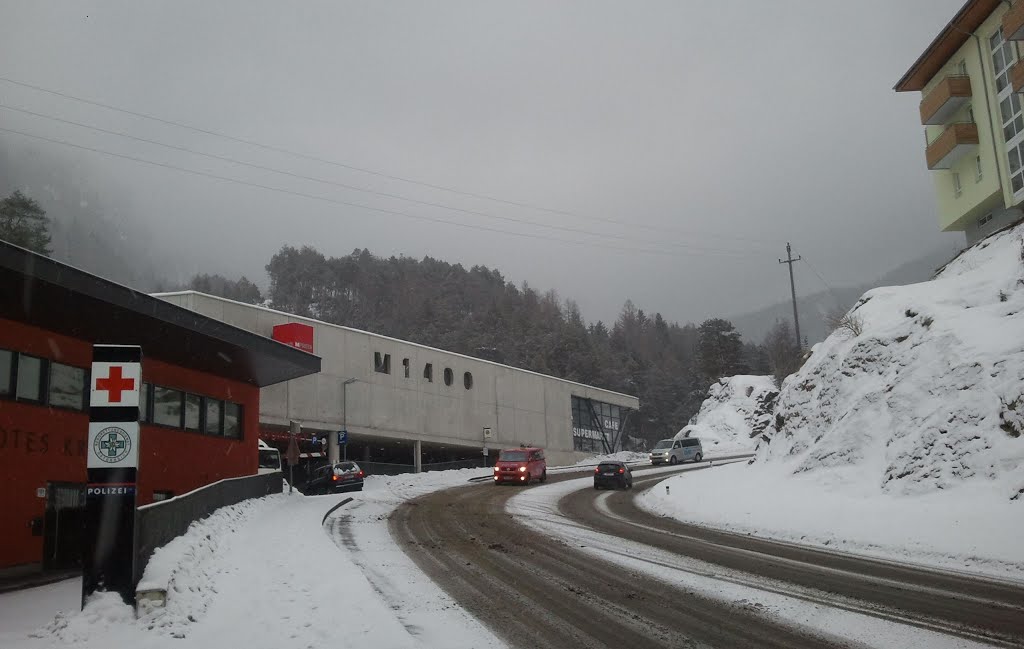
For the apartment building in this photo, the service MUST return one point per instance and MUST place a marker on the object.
(970, 78)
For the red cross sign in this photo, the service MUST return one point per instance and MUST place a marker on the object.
(115, 384)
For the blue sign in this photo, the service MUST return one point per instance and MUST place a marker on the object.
(342, 437)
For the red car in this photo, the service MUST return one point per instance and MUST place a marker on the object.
(521, 465)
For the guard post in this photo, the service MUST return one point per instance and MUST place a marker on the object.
(108, 557)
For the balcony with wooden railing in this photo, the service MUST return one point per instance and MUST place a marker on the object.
(939, 105)
(952, 144)
(1013, 22)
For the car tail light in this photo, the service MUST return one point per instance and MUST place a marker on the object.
(597, 470)
(622, 470)
(334, 478)
(361, 473)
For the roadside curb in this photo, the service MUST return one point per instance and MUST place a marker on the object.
(332, 509)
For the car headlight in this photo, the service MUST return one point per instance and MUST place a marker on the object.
(495, 469)
(522, 469)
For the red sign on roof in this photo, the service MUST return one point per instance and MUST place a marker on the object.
(296, 335)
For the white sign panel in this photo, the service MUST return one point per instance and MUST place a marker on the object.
(115, 384)
(113, 445)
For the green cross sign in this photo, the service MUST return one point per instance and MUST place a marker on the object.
(112, 445)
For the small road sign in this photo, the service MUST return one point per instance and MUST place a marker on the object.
(292, 454)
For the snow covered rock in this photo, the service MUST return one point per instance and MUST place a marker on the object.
(736, 410)
(928, 395)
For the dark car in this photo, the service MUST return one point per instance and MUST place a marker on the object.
(615, 475)
(342, 476)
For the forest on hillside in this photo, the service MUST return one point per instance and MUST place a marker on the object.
(479, 313)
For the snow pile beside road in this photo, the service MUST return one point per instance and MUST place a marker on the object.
(964, 530)
(266, 574)
(621, 456)
(926, 394)
(736, 410)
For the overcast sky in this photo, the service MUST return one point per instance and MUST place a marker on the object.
(683, 142)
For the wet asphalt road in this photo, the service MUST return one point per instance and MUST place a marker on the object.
(535, 591)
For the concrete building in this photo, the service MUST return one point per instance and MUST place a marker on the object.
(970, 78)
(409, 404)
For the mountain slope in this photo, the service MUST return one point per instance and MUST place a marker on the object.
(928, 396)
(737, 408)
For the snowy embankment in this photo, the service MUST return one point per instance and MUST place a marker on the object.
(265, 573)
(901, 434)
(736, 410)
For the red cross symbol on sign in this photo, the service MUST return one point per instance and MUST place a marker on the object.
(115, 384)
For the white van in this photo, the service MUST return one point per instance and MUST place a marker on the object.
(270, 458)
(677, 450)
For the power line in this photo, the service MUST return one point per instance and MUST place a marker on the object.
(372, 172)
(336, 201)
(813, 270)
(682, 246)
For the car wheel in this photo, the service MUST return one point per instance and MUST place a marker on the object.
(528, 479)
(544, 476)
(672, 460)
(697, 458)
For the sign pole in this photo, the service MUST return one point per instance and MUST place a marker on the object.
(108, 556)
(292, 455)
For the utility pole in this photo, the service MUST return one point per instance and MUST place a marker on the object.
(792, 290)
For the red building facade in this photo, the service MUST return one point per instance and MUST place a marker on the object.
(200, 411)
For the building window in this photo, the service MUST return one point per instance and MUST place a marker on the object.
(193, 408)
(1016, 155)
(428, 372)
(449, 376)
(214, 411)
(970, 114)
(1013, 120)
(67, 386)
(957, 188)
(961, 68)
(405, 366)
(167, 406)
(144, 400)
(162, 495)
(467, 380)
(232, 420)
(1003, 57)
(985, 219)
(30, 378)
(382, 363)
(6, 372)
(977, 169)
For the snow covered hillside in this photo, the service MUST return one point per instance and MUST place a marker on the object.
(924, 392)
(736, 410)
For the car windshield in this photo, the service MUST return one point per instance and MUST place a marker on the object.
(270, 459)
(345, 467)
(512, 456)
(609, 466)
(665, 443)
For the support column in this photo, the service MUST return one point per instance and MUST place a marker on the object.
(333, 453)
(417, 456)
